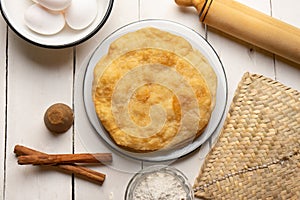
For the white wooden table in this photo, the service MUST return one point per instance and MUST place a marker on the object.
(33, 78)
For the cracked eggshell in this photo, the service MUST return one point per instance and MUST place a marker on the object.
(80, 14)
(43, 21)
(56, 5)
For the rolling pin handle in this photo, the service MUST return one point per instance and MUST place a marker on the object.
(198, 4)
(186, 3)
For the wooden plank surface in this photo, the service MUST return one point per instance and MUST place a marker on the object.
(2, 104)
(37, 78)
(286, 72)
(168, 10)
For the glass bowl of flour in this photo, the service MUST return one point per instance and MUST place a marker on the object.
(159, 182)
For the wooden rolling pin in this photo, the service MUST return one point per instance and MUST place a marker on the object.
(249, 25)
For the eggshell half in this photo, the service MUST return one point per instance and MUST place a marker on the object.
(81, 13)
(43, 21)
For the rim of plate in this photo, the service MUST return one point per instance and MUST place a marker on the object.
(96, 123)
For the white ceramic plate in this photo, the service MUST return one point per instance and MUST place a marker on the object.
(13, 13)
(199, 43)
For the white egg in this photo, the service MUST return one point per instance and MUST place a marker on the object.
(81, 13)
(42, 21)
(55, 5)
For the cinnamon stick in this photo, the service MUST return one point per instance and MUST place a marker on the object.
(55, 159)
(79, 171)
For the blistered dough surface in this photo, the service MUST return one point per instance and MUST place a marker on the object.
(153, 91)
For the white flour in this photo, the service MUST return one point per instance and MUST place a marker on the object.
(159, 186)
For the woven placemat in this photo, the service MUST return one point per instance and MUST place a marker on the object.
(257, 154)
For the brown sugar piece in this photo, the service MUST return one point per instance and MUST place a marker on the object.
(59, 118)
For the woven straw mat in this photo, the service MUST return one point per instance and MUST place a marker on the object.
(257, 155)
